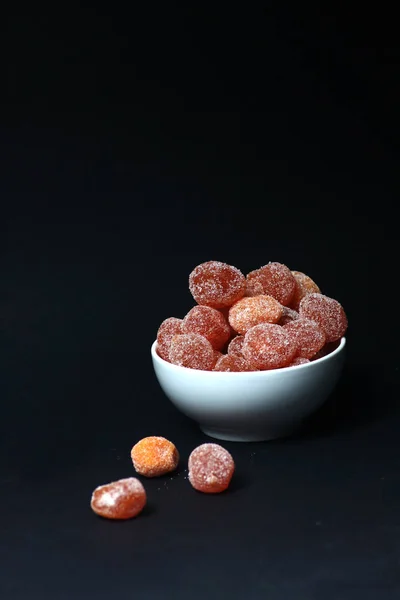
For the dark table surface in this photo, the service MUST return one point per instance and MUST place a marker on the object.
(119, 175)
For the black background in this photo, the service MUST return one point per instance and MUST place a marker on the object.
(134, 145)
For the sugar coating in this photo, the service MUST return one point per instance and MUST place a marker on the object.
(304, 285)
(209, 323)
(154, 456)
(274, 279)
(236, 345)
(288, 315)
(122, 499)
(230, 362)
(299, 361)
(216, 284)
(191, 350)
(308, 336)
(268, 346)
(225, 312)
(251, 311)
(168, 328)
(211, 468)
(327, 312)
(217, 354)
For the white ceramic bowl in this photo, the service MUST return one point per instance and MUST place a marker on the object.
(250, 406)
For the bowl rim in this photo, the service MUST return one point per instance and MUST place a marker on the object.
(267, 373)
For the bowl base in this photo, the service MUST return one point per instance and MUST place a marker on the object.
(249, 436)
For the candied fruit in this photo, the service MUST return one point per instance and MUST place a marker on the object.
(122, 499)
(250, 311)
(268, 346)
(154, 456)
(216, 284)
(236, 345)
(191, 350)
(304, 285)
(299, 360)
(209, 323)
(327, 312)
(229, 306)
(231, 362)
(168, 328)
(274, 279)
(211, 468)
(308, 336)
(288, 315)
